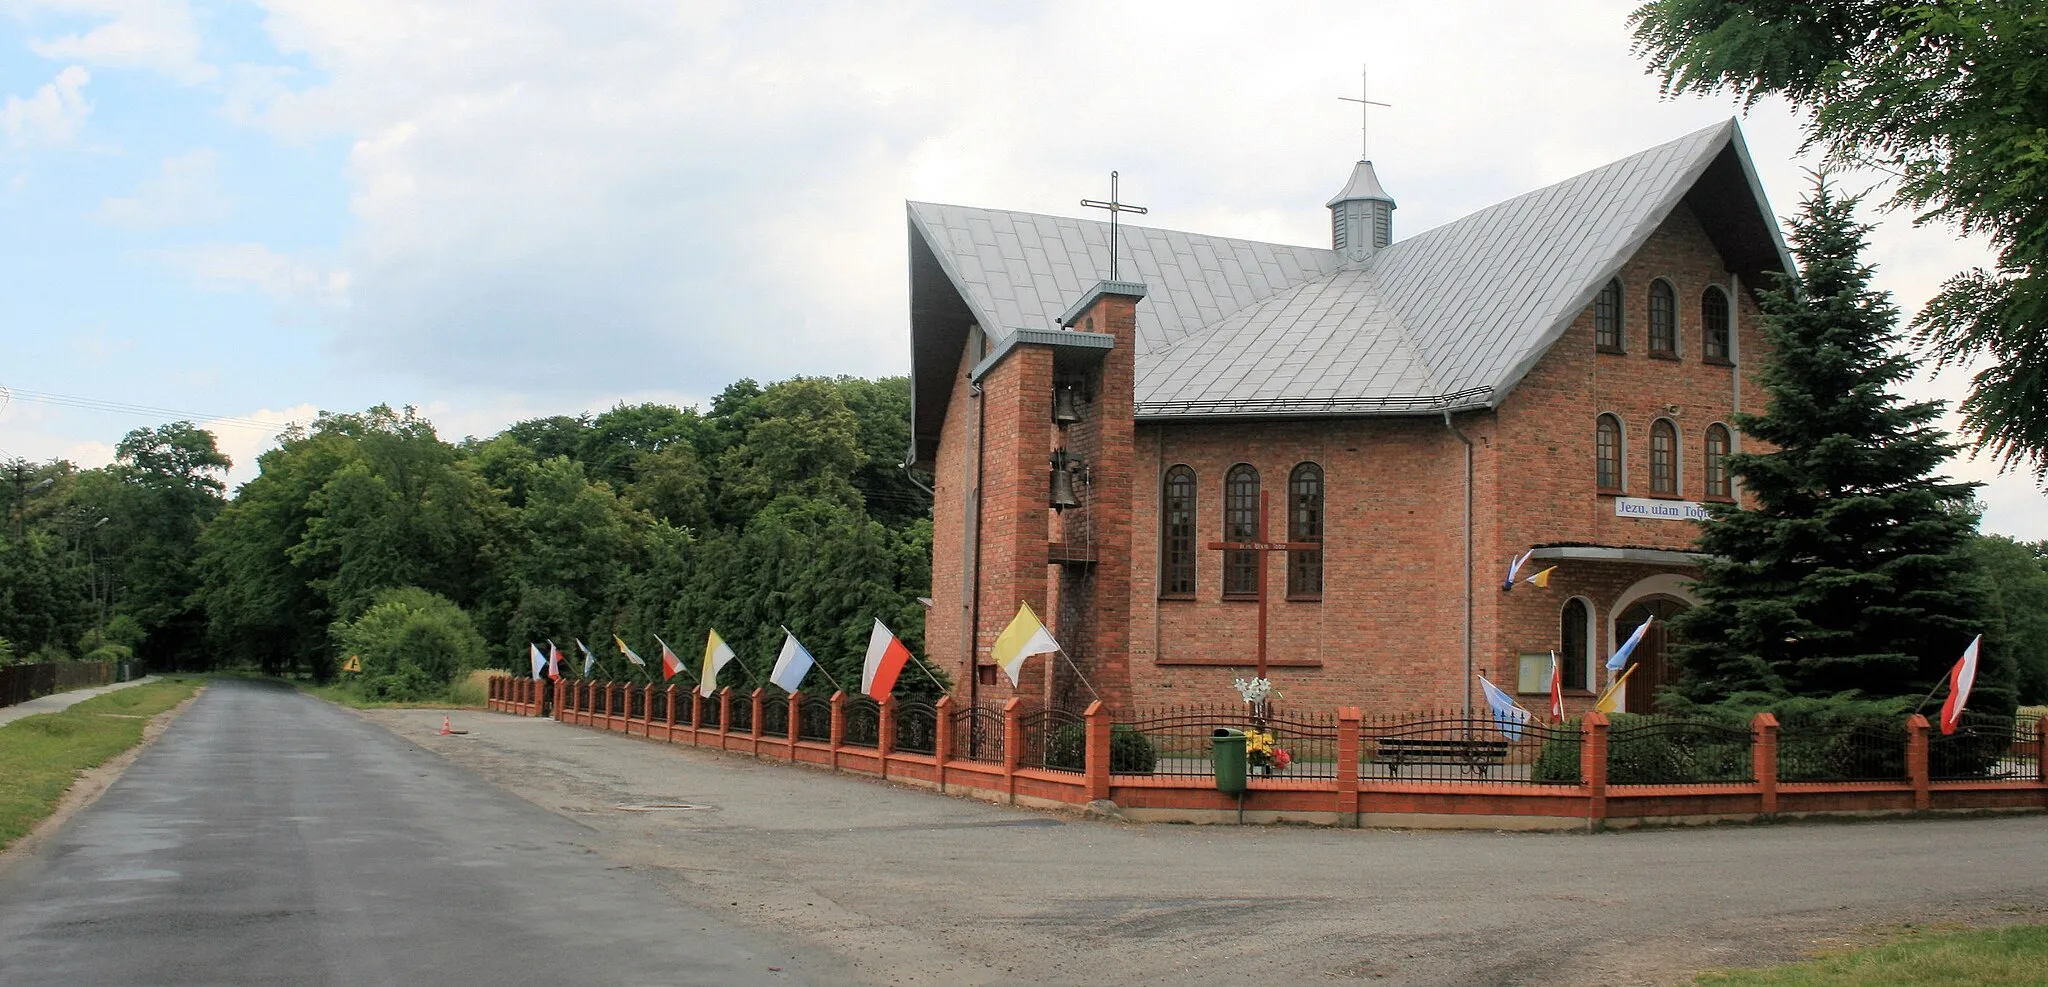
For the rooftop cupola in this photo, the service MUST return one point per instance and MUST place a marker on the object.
(1361, 216)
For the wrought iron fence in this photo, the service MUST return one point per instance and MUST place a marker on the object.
(917, 727)
(1310, 742)
(814, 719)
(1181, 738)
(978, 734)
(686, 706)
(863, 723)
(636, 703)
(1985, 747)
(709, 713)
(1821, 748)
(742, 713)
(657, 705)
(1054, 738)
(1453, 747)
(1678, 750)
(775, 716)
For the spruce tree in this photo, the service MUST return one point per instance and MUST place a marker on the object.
(1850, 570)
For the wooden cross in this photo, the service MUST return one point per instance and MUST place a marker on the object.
(1266, 547)
(1114, 207)
(1365, 105)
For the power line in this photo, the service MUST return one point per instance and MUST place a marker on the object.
(122, 407)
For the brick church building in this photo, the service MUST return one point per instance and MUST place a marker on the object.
(1556, 372)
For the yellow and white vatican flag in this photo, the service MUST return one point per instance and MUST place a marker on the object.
(1025, 637)
(716, 654)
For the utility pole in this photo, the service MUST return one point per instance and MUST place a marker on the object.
(22, 488)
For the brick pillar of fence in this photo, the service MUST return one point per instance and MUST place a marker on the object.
(1013, 744)
(1593, 767)
(1095, 758)
(1350, 741)
(796, 709)
(724, 715)
(838, 726)
(559, 693)
(1916, 762)
(668, 708)
(885, 732)
(1763, 760)
(942, 737)
(755, 721)
(696, 714)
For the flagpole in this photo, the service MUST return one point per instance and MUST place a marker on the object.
(928, 674)
(1083, 676)
(815, 663)
(1930, 693)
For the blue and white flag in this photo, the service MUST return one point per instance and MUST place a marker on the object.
(792, 664)
(1509, 717)
(1515, 570)
(540, 661)
(1628, 647)
(589, 659)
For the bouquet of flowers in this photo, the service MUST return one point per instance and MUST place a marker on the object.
(1254, 690)
(1261, 751)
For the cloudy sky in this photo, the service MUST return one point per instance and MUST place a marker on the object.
(255, 210)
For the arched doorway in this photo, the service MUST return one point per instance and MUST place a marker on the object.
(1652, 656)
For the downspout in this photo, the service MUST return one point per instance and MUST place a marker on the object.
(1462, 437)
(970, 560)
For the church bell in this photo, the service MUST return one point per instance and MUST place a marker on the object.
(1066, 405)
(1063, 471)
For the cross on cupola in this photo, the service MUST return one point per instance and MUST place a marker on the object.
(1365, 104)
(1115, 206)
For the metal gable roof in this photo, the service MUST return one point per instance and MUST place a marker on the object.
(1449, 318)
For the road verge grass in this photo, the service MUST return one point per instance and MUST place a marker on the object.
(2015, 955)
(41, 756)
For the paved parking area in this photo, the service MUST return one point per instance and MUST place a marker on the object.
(910, 887)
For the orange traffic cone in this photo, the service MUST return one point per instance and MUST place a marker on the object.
(447, 725)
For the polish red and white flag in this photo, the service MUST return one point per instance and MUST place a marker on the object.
(885, 661)
(1960, 678)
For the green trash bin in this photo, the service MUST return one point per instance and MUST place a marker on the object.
(1226, 751)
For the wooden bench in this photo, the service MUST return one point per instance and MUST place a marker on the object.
(1474, 755)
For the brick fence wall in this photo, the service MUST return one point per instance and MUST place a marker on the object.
(1004, 763)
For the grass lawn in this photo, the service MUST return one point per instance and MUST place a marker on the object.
(2016, 955)
(40, 756)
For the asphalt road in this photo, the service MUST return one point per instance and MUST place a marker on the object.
(270, 838)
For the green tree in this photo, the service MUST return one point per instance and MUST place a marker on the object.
(2018, 574)
(1852, 572)
(412, 643)
(1949, 97)
(799, 438)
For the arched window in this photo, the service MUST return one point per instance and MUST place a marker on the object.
(1718, 484)
(1663, 319)
(1714, 325)
(1607, 318)
(1607, 452)
(1663, 457)
(1575, 654)
(1177, 534)
(1305, 524)
(1241, 524)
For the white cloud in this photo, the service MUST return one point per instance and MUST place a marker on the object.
(185, 189)
(158, 35)
(243, 444)
(50, 116)
(236, 266)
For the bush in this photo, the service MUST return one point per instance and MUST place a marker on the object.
(413, 645)
(1690, 748)
(1559, 760)
(1130, 752)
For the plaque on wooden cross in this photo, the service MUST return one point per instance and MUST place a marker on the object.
(1264, 545)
